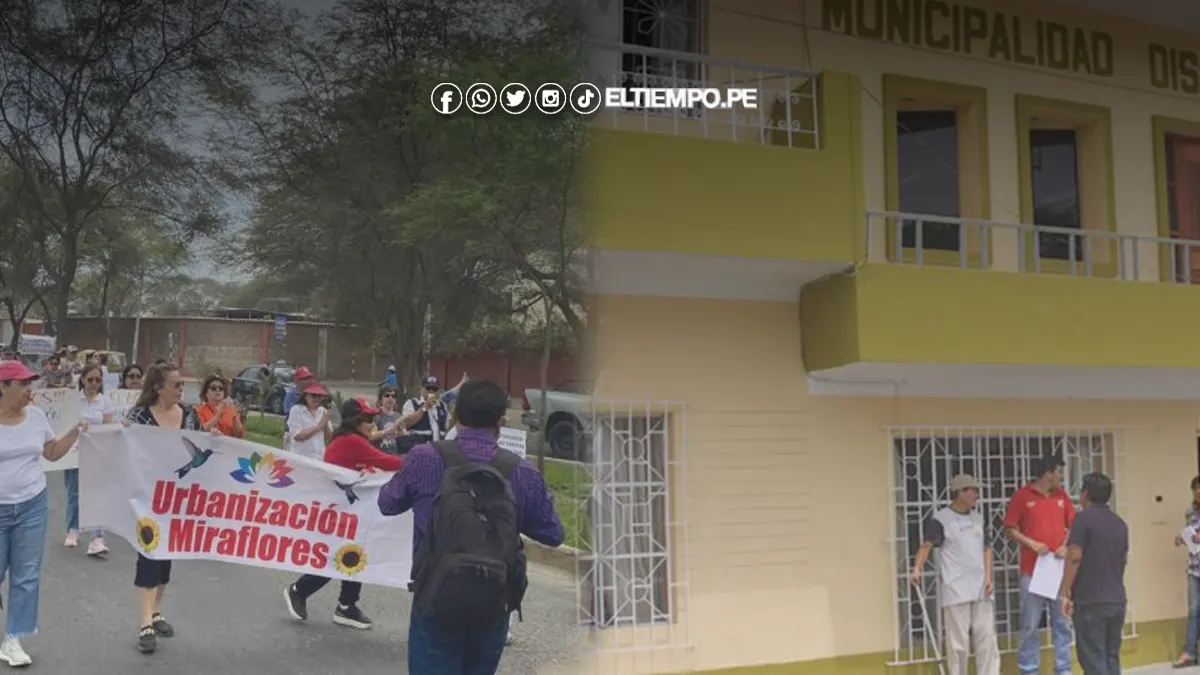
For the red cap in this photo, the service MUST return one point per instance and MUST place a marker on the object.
(314, 388)
(15, 371)
(303, 373)
(358, 407)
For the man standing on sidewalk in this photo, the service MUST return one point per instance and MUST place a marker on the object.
(964, 565)
(1038, 518)
(1093, 585)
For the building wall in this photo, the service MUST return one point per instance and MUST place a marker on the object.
(788, 495)
(781, 33)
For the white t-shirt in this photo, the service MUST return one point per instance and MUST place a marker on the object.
(960, 546)
(299, 419)
(21, 445)
(93, 412)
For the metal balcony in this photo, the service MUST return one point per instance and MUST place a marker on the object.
(926, 240)
(786, 115)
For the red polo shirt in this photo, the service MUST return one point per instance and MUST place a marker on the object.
(1041, 517)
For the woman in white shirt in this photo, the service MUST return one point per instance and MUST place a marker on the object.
(25, 438)
(308, 425)
(95, 409)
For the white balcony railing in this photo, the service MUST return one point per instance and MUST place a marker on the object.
(786, 114)
(1016, 247)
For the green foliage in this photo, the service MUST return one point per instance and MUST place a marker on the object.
(370, 197)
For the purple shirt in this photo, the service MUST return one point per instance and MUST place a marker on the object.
(418, 482)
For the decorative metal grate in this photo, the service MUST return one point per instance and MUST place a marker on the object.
(633, 576)
(924, 461)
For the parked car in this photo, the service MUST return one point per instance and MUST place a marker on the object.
(568, 408)
(249, 384)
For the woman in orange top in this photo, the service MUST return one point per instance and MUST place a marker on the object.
(218, 412)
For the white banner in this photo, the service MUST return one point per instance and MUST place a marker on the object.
(63, 409)
(180, 495)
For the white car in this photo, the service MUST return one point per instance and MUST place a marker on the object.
(568, 410)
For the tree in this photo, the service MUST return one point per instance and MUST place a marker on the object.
(334, 159)
(22, 282)
(95, 106)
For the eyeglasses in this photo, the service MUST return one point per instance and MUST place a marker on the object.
(177, 385)
(216, 387)
(94, 380)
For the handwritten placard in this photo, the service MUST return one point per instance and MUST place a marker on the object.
(123, 401)
(63, 410)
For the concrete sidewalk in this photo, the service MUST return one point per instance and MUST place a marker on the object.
(1160, 669)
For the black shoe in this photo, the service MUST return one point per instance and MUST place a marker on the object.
(351, 616)
(297, 604)
(161, 627)
(147, 640)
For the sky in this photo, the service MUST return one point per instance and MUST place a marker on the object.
(206, 258)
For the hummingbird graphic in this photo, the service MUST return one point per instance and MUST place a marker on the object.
(199, 457)
(348, 489)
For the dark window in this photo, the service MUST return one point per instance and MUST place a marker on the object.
(1054, 173)
(927, 172)
(659, 24)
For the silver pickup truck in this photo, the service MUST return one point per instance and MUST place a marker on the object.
(568, 408)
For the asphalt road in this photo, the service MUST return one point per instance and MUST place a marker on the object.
(231, 619)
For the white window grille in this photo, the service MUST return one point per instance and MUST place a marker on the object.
(669, 25)
(634, 574)
(923, 462)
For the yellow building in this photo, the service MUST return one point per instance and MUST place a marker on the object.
(956, 237)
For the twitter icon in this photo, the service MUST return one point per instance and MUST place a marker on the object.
(515, 98)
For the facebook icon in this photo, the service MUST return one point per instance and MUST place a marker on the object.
(447, 98)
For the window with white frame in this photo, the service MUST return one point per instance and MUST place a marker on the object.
(672, 25)
(925, 460)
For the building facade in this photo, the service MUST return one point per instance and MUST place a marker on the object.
(956, 236)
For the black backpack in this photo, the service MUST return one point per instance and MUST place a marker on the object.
(469, 572)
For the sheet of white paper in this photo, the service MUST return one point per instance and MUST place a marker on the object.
(1047, 576)
(1186, 535)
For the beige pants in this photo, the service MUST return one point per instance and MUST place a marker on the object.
(977, 620)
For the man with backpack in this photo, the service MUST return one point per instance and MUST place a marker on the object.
(471, 502)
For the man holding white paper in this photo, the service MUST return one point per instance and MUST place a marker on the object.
(1038, 518)
(1190, 537)
(964, 565)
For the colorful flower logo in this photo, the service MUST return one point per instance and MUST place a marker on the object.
(350, 559)
(148, 534)
(274, 472)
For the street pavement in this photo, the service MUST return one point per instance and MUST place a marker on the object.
(231, 619)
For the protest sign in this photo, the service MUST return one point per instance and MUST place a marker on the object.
(63, 410)
(180, 495)
(123, 400)
(512, 440)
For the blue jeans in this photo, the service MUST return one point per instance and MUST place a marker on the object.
(1193, 624)
(22, 540)
(1029, 656)
(433, 651)
(71, 481)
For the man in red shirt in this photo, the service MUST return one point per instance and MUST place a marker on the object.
(1038, 518)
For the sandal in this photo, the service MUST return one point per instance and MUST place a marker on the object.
(147, 640)
(1184, 661)
(161, 628)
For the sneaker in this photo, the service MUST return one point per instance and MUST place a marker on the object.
(12, 654)
(97, 548)
(72, 539)
(161, 628)
(508, 640)
(351, 616)
(147, 640)
(297, 605)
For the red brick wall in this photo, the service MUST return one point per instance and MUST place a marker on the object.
(515, 372)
